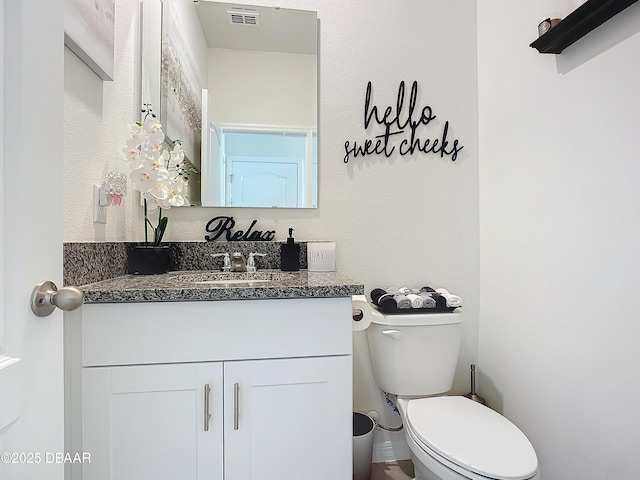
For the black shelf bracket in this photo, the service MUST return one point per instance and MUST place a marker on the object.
(578, 23)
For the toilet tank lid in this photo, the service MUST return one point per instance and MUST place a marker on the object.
(473, 437)
(408, 319)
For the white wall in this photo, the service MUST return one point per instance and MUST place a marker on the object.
(262, 88)
(559, 237)
(97, 116)
(403, 220)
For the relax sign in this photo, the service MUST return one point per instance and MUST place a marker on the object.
(223, 227)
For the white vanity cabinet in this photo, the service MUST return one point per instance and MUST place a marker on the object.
(233, 390)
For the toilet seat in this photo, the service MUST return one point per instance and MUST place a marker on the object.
(470, 438)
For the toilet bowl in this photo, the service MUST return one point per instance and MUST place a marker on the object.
(454, 438)
(449, 437)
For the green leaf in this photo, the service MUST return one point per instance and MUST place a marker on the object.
(159, 231)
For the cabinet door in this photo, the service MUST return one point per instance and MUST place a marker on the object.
(148, 422)
(288, 419)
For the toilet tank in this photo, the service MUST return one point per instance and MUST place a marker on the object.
(415, 354)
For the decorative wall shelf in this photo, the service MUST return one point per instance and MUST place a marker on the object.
(578, 23)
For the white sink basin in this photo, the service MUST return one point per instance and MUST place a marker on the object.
(231, 278)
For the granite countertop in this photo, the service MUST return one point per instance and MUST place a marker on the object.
(178, 287)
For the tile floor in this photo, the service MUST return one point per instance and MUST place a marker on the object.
(400, 470)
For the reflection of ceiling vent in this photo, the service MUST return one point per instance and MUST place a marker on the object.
(248, 17)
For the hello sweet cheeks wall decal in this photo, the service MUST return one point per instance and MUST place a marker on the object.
(219, 226)
(400, 129)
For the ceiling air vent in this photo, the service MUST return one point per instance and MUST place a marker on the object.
(249, 18)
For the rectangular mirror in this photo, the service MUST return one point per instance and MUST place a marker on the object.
(237, 85)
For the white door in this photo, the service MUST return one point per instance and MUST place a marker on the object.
(161, 422)
(288, 419)
(31, 227)
(264, 184)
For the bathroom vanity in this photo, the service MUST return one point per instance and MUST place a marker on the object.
(241, 381)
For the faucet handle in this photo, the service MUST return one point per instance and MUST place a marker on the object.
(251, 262)
(226, 265)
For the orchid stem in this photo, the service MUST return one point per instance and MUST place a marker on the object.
(146, 224)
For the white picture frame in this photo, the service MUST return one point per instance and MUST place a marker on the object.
(89, 33)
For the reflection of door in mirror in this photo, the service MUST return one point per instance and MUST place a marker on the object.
(271, 168)
(259, 67)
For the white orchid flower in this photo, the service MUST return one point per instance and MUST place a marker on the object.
(157, 161)
(153, 130)
(158, 173)
(177, 152)
(176, 193)
(136, 131)
(145, 179)
(161, 191)
(152, 202)
(132, 156)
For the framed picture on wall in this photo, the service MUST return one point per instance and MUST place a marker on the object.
(182, 78)
(89, 33)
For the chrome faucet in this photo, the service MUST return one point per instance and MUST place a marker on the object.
(238, 263)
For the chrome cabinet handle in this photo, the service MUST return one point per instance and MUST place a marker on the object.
(207, 414)
(46, 297)
(236, 401)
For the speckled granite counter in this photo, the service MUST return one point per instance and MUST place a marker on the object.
(169, 288)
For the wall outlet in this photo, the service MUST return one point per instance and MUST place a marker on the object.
(99, 212)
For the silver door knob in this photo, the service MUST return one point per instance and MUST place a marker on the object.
(46, 297)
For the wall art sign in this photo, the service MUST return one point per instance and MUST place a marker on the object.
(403, 129)
(89, 33)
(221, 225)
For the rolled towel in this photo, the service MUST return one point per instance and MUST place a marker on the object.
(416, 300)
(393, 290)
(452, 300)
(427, 300)
(385, 296)
(402, 300)
(404, 290)
(386, 303)
(427, 289)
(442, 291)
(375, 295)
(441, 302)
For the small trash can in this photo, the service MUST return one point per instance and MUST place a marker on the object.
(363, 427)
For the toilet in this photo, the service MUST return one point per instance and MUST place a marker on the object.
(414, 357)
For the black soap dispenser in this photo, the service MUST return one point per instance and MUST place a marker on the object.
(290, 255)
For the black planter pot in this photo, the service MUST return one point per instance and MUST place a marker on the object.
(148, 260)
